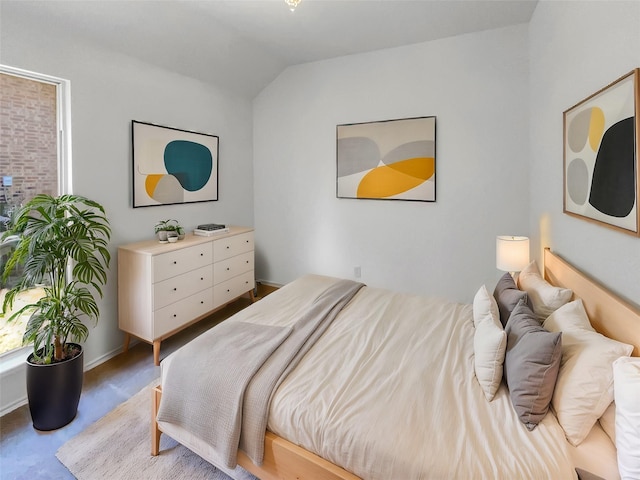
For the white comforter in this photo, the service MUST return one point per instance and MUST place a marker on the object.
(389, 393)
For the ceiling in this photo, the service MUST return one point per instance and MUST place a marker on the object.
(242, 45)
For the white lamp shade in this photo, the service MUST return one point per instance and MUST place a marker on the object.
(512, 253)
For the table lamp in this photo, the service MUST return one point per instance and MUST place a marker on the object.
(512, 253)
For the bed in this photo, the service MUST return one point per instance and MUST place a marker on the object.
(372, 400)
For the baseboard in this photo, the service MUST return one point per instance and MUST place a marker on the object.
(13, 405)
(270, 284)
(103, 358)
(19, 402)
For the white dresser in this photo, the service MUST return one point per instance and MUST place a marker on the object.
(163, 288)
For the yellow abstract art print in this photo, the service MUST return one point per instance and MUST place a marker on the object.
(390, 160)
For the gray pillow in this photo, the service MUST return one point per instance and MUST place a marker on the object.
(507, 296)
(531, 364)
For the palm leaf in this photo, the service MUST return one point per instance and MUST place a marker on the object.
(58, 232)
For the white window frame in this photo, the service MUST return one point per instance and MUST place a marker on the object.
(13, 359)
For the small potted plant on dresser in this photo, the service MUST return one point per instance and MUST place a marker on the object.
(169, 231)
(163, 227)
(58, 236)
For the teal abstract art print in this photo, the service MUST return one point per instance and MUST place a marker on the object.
(173, 166)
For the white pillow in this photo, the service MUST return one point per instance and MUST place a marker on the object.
(626, 374)
(584, 388)
(544, 297)
(489, 342)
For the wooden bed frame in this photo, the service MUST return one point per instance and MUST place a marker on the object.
(610, 315)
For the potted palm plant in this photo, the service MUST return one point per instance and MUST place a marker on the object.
(63, 248)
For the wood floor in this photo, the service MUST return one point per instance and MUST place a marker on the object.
(26, 453)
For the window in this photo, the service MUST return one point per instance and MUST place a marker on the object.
(34, 158)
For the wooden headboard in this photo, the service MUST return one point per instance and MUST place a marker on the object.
(609, 314)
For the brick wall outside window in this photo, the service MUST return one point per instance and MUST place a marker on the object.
(28, 138)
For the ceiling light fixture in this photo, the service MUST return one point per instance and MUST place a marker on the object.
(292, 4)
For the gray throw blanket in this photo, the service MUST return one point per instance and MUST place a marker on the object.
(205, 383)
(219, 386)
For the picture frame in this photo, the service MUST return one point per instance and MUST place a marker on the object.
(173, 166)
(387, 160)
(600, 156)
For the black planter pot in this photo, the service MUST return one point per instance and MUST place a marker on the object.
(54, 391)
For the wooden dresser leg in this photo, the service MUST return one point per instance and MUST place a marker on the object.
(156, 352)
(155, 431)
(127, 340)
(252, 296)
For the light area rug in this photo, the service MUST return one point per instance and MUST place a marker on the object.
(118, 446)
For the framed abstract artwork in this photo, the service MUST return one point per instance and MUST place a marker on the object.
(601, 136)
(389, 159)
(172, 166)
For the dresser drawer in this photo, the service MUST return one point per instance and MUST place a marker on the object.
(181, 312)
(181, 286)
(174, 263)
(228, 247)
(231, 267)
(226, 291)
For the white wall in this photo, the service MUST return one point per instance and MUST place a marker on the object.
(109, 90)
(577, 48)
(477, 87)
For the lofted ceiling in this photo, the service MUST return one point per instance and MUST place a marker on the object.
(242, 45)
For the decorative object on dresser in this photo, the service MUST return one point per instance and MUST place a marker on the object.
(390, 160)
(165, 288)
(172, 166)
(209, 229)
(601, 171)
(169, 228)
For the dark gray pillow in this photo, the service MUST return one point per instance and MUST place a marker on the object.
(507, 297)
(531, 364)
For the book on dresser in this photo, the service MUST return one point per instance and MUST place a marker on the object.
(164, 288)
(210, 229)
(212, 226)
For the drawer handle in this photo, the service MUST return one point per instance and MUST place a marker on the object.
(202, 254)
(201, 301)
(201, 278)
(247, 241)
(228, 290)
(174, 315)
(227, 247)
(174, 262)
(227, 269)
(175, 289)
(247, 261)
